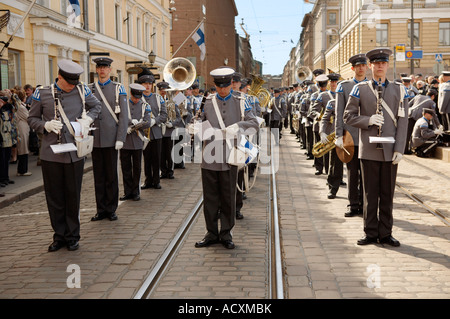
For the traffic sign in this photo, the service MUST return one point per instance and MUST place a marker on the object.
(400, 52)
(438, 57)
(414, 54)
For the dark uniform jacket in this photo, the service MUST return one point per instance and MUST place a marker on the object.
(422, 132)
(327, 124)
(138, 111)
(318, 105)
(159, 112)
(43, 109)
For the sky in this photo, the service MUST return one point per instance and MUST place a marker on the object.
(274, 27)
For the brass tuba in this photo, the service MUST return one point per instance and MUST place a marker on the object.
(180, 73)
(257, 90)
(303, 73)
(320, 149)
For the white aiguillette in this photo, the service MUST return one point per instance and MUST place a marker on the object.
(382, 139)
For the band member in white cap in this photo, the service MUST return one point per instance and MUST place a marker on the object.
(223, 111)
(63, 172)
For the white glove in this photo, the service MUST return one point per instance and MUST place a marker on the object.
(232, 130)
(152, 122)
(376, 119)
(85, 123)
(339, 142)
(396, 158)
(134, 121)
(441, 127)
(54, 126)
(323, 138)
(129, 130)
(169, 125)
(119, 145)
(438, 131)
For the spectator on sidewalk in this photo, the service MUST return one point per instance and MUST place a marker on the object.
(23, 130)
(8, 135)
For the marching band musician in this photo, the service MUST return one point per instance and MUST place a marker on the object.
(309, 135)
(219, 178)
(316, 106)
(109, 136)
(167, 165)
(191, 106)
(425, 137)
(354, 178)
(131, 152)
(278, 112)
(63, 172)
(327, 126)
(152, 153)
(444, 99)
(385, 117)
(293, 100)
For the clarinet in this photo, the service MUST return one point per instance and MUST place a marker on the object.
(57, 113)
(379, 110)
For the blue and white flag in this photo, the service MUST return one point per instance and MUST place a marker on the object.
(199, 38)
(75, 7)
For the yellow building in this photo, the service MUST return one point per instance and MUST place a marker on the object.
(126, 29)
(348, 27)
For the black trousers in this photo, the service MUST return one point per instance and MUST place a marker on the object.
(152, 162)
(22, 163)
(335, 171)
(106, 179)
(5, 156)
(354, 182)
(239, 194)
(276, 125)
(166, 156)
(445, 121)
(309, 134)
(131, 162)
(62, 185)
(379, 186)
(219, 195)
(320, 163)
(408, 145)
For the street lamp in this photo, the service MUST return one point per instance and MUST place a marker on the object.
(151, 58)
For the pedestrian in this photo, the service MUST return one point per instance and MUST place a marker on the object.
(223, 111)
(66, 100)
(8, 135)
(109, 136)
(23, 131)
(379, 160)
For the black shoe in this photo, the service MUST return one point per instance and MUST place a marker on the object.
(157, 186)
(146, 186)
(72, 245)
(318, 172)
(163, 176)
(205, 242)
(390, 241)
(352, 212)
(126, 197)
(10, 182)
(239, 215)
(366, 241)
(331, 195)
(170, 176)
(136, 198)
(228, 244)
(343, 183)
(244, 196)
(309, 157)
(56, 245)
(98, 216)
(113, 216)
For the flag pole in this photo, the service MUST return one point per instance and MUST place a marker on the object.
(188, 37)
(17, 28)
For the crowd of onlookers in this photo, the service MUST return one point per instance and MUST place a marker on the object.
(16, 138)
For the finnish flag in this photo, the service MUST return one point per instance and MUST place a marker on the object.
(199, 38)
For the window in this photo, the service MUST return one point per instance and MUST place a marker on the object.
(332, 18)
(416, 33)
(14, 77)
(129, 32)
(444, 33)
(117, 18)
(98, 17)
(138, 33)
(382, 34)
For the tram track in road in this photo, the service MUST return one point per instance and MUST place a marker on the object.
(167, 260)
(423, 196)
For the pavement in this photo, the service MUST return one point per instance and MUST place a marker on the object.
(320, 257)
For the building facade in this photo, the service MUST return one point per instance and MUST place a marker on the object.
(220, 35)
(343, 28)
(127, 30)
